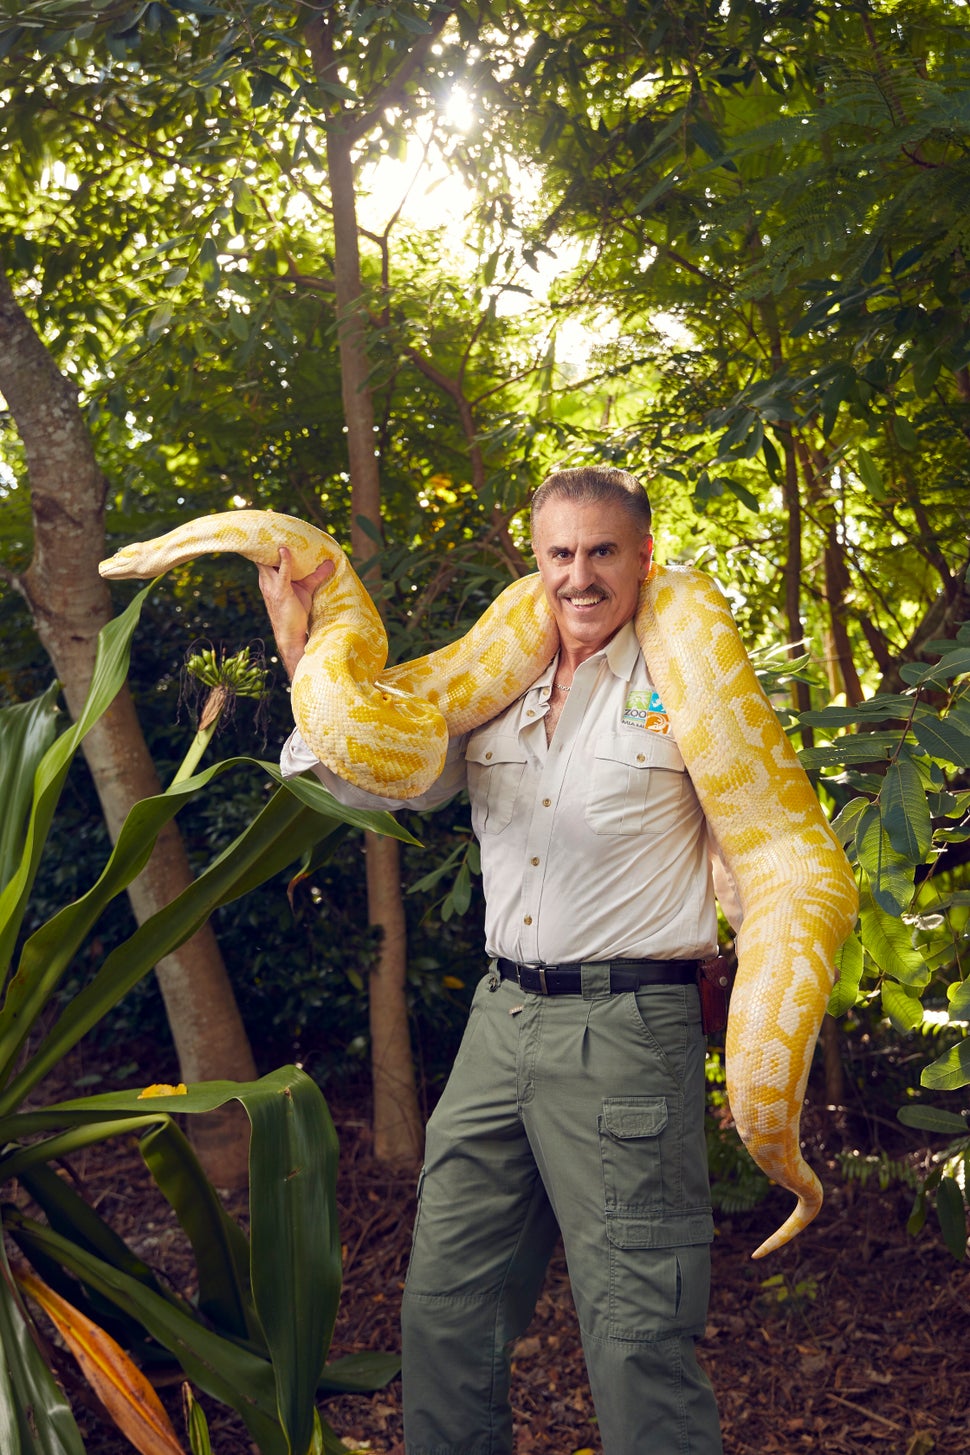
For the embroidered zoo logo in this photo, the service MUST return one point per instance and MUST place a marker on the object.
(645, 710)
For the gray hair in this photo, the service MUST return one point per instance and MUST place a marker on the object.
(594, 484)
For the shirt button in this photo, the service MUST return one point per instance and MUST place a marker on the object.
(487, 756)
(530, 713)
(527, 920)
(534, 861)
(546, 802)
(640, 757)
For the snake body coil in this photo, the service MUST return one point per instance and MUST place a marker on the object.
(386, 730)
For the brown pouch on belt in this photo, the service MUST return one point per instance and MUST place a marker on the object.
(714, 980)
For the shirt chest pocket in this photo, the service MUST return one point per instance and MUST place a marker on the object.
(638, 785)
(496, 762)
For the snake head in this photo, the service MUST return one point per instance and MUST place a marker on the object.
(122, 565)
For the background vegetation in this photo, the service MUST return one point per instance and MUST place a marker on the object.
(381, 266)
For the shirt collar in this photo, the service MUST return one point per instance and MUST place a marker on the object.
(621, 652)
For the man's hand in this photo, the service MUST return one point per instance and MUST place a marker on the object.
(288, 604)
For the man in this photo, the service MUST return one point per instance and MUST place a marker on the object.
(576, 1101)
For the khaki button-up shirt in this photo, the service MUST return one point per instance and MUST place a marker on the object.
(593, 847)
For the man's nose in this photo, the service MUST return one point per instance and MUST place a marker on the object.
(579, 572)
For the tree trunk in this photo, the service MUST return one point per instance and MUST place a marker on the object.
(70, 603)
(398, 1125)
(398, 1132)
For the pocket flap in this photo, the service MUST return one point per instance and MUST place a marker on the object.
(490, 748)
(646, 1117)
(641, 750)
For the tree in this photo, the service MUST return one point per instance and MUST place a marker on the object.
(69, 604)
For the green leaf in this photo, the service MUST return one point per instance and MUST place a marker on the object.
(942, 739)
(35, 1418)
(903, 1009)
(219, 1245)
(359, 1373)
(933, 1119)
(890, 873)
(110, 669)
(280, 833)
(243, 199)
(233, 1375)
(906, 436)
(845, 823)
(888, 943)
(743, 494)
(864, 748)
(849, 963)
(951, 1070)
(870, 474)
(905, 811)
(958, 995)
(952, 1213)
(27, 730)
(74, 1217)
(296, 1269)
(196, 1424)
(160, 320)
(295, 1249)
(954, 663)
(875, 709)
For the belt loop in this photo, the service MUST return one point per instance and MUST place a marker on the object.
(542, 980)
(595, 978)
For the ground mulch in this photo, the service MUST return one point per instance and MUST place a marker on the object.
(855, 1338)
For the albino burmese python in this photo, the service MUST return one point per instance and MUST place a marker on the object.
(386, 730)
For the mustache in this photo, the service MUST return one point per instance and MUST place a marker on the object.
(566, 594)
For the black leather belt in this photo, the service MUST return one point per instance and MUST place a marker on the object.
(624, 975)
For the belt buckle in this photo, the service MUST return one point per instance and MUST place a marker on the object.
(543, 987)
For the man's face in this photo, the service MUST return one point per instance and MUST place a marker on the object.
(591, 558)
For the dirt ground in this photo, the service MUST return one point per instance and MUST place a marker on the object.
(855, 1338)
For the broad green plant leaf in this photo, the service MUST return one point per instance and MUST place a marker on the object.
(952, 1213)
(294, 1238)
(950, 1071)
(958, 995)
(903, 1008)
(933, 1119)
(359, 1373)
(905, 811)
(70, 1214)
(220, 1247)
(889, 872)
(943, 739)
(121, 1387)
(35, 1418)
(280, 833)
(888, 942)
(110, 670)
(229, 1373)
(26, 732)
(849, 962)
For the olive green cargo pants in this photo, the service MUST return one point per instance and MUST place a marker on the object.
(582, 1114)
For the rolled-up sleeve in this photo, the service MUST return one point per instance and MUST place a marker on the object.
(296, 758)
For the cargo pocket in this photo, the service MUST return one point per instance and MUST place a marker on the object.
(630, 1148)
(659, 1293)
(638, 1213)
(638, 784)
(496, 762)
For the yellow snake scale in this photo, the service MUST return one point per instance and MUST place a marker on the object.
(386, 730)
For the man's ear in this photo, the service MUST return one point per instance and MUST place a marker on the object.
(646, 556)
